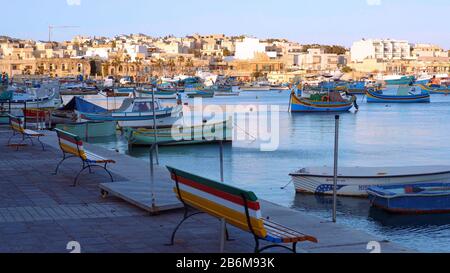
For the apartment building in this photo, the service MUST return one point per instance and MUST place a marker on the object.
(382, 49)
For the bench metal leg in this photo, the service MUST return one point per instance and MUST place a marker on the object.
(9, 140)
(90, 166)
(59, 164)
(42, 144)
(260, 250)
(185, 217)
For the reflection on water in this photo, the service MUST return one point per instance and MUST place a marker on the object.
(376, 135)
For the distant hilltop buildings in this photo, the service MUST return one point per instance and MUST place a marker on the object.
(247, 58)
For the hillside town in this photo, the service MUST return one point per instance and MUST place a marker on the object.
(139, 57)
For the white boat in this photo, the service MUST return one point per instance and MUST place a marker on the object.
(40, 97)
(138, 112)
(354, 181)
(258, 86)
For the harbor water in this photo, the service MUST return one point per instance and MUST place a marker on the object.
(376, 135)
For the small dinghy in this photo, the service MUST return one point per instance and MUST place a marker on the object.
(412, 199)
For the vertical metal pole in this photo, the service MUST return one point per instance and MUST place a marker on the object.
(155, 127)
(222, 221)
(25, 116)
(152, 176)
(221, 161)
(335, 176)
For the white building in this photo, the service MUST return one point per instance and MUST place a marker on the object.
(248, 48)
(381, 49)
(136, 51)
(101, 52)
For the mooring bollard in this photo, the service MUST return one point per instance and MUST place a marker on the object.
(335, 176)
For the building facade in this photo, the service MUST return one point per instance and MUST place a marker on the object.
(382, 49)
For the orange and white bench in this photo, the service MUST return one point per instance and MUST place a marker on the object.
(72, 146)
(239, 208)
(17, 126)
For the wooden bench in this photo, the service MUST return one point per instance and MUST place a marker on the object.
(239, 208)
(72, 146)
(17, 126)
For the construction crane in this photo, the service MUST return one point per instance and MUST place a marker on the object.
(51, 28)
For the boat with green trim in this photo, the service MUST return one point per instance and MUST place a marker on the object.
(403, 94)
(205, 133)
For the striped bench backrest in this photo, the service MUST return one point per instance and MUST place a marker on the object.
(220, 200)
(16, 124)
(71, 143)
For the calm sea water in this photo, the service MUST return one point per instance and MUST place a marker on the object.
(376, 135)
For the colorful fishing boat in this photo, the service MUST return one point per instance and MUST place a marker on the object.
(181, 135)
(354, 181)
(435, 89)
(412, 198)
(322, 102)
(404, 94)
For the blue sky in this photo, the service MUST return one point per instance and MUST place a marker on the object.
(305, 21)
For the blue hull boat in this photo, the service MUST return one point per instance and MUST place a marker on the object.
(379, 97)
(423, 198)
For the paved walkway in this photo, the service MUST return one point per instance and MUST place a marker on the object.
(41, 212)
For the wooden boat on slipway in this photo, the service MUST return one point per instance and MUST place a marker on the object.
(354, 181)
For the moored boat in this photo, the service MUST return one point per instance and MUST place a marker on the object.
(408, 94)
(208, 132)
(138, 112)
(435, 89)
(412, 198)
(354, 181)
(321, 102)
(90, 129)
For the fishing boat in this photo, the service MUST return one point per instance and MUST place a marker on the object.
(69, 112)
(34, 97)
(354, 181)
(425, 198)
(159, 94)
(208, 132)
(398, 79)
(90, 129)
(321, 102)
(404, 94)
(435, 89)
(257, 86)
(116, 92)
(200, 94)
(138, 112)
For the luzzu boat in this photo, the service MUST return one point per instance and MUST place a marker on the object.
(408, 94)
(354, 181)
(328, 102)
(138, 113)
(181, 135)
(435, 89)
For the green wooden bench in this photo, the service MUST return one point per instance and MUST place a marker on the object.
(72, 146)
(239, 208)
(17, 126)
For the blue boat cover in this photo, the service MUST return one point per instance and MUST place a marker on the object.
(81, 105)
